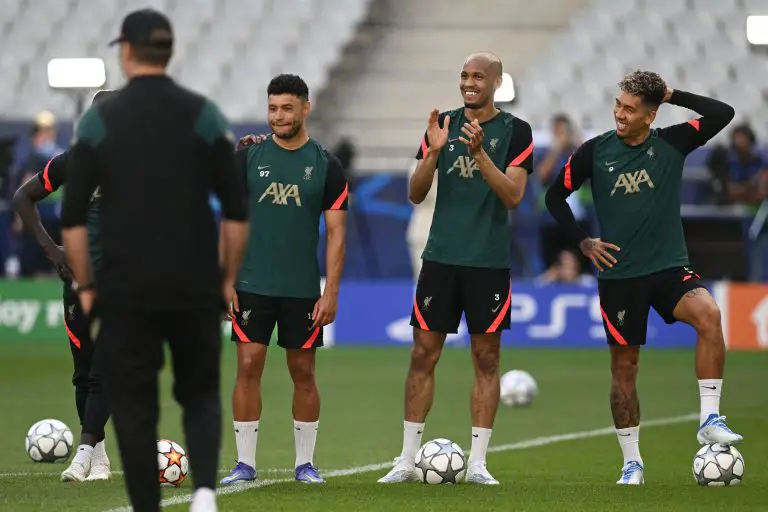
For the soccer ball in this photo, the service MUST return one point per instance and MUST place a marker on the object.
(441, 461)
(49, 441)
(518, 388)
(716, 465)
(173, 463)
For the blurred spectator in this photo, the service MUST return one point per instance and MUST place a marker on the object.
(740, 176)
(566, 270)
(44, 147)
(345, 151)
(564, 143)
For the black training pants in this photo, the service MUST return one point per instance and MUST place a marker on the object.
(132, 340)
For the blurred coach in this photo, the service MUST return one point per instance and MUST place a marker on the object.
(153, 154)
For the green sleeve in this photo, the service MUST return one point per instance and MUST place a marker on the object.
(211, 124)
(90, 129)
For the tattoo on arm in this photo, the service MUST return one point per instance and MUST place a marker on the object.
(625, 408)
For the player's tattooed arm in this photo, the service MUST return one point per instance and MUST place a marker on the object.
(625, 407)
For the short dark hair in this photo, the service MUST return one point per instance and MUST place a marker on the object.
(561, 118)
(103, 95)
(646, 84)
(289, 84)
(745, 130)
(158, 51)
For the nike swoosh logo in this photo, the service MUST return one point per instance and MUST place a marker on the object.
(496, 308)
(453, 140)
(419, 432)
(263, 167)
(611, 163)
(475, 435)
(710, 387)
(625, 435)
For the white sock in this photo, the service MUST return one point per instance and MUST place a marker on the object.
(100, 453)
(629, 441)
(204, 500)
(246, 434)
(412, 433)
(84, 455)
(305, 435)
(480, 439)
(709, 391)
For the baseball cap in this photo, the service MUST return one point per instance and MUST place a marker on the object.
(145, 27)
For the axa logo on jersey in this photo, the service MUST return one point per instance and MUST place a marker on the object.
(281, 193)
(466, 167)
(630, 182)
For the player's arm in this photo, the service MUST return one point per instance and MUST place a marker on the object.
(715, 115)
(241, 169)
(510, 184)
(432, 143)
(36, 189)
(335, 204)
(574, 173)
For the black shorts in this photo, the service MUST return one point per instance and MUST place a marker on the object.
(445, 291)
(258, 315)
(625, 303)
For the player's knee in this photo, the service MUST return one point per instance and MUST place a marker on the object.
(302, 371)
(248, 365)
(424, 358)
(624, 365)
(486, 362)
(708, 319)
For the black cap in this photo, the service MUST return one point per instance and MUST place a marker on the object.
(146, 27)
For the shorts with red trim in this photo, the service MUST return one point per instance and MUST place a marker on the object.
(444, 292)
(258, 314)
(625, 303)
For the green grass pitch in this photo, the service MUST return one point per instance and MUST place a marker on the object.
(361, 425)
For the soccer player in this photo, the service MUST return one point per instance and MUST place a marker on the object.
(91, 461)
(641, 256)
(291, 181)
(482, 157)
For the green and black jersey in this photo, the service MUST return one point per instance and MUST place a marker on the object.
(155, 152)
(52, 178)
(288, 190)
(470, 225)
(636, 189)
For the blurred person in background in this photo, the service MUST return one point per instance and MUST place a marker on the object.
(553, 237)
(32, 259)
(739, 175)
(566, 270)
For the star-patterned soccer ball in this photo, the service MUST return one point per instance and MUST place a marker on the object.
(441, 461)
(716, 465)
(172, 462)
(49, 441)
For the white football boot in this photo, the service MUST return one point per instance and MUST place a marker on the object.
(477, 473)
(715, 431)
(76, 472)
(632, 474)
(100, 467)
(403, 471)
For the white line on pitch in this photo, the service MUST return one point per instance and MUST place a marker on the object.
(120, 472)
(521, 445)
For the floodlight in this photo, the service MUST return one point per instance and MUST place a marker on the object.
(85, 73)
(505, 93)
(757, 30)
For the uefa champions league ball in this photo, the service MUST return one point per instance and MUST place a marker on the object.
(717, 465)
(441, 461)
(172, 462)
(49, 441)
(518, 388)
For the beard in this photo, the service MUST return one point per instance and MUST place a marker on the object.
(292, 132)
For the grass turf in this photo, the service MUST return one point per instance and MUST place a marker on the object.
(361, 424)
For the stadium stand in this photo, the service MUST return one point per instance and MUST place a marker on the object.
(224, 50)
